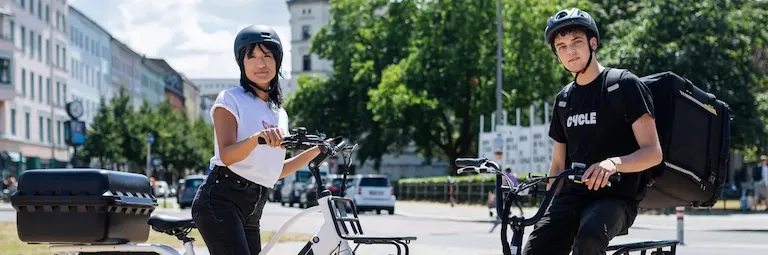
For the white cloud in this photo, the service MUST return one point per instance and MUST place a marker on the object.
(194, 36)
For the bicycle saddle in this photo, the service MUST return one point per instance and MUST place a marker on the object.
(163, 223)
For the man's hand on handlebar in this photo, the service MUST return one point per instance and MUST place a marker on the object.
(597, 175)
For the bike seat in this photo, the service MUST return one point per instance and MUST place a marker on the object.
(164, 223)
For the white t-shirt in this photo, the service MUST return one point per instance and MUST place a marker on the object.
(264, 164)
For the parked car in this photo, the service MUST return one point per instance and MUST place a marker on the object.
(295, 184)
(275, 195)
(371, 192)
(308, 198)
(188, 191)
(162, 189)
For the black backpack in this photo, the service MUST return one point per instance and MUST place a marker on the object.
(694, 130)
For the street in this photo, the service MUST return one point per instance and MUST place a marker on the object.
(473, 237)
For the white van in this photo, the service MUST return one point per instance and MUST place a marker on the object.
(294, 185)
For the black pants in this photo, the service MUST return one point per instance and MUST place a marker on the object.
(227, 209)
(584, 225)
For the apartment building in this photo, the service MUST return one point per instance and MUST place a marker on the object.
(33, 84)
(89, 78)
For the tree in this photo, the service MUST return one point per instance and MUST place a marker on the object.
(102, 142)
(709, 42)
(125, 126)
(361, 39)
(203, 144)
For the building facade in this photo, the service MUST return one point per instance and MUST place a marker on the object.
(126, 64)
(152, 84)
(89, 60)
(307, 17)
(191, 98)
(173, 85)
(209, 89)
(33, 84)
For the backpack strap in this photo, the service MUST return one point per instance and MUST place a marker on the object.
(613, 88)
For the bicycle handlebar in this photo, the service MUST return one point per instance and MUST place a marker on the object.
(483, 165)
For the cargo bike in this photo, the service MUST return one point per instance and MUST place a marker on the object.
(94, 211)
(509, 194)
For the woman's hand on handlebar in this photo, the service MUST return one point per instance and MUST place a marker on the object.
(272, 136)
(597, 175)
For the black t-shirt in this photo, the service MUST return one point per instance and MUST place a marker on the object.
(594, 131)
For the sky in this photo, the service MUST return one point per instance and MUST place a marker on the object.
(195, 36)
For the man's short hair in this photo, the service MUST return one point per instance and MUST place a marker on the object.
(575, 28)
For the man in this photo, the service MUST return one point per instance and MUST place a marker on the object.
(584, 217)
(760, 179)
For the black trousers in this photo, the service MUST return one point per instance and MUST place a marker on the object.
(227, 209)
(582, 224)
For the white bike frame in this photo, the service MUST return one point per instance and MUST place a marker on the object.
(326, 240)
(129, 247)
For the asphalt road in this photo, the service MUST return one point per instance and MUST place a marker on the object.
(472, 236)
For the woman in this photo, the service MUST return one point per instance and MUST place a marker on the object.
(227, 207)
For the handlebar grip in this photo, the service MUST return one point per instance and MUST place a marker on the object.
(615, 178)
(470, 162)
(261, 140)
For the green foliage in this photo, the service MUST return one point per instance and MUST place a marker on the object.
(709, 42)
(119, 133)
(423, 72)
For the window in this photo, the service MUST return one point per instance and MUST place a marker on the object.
(47, 14)
(32, 84)
(23, 39)
(40, 87)
(50, 131)
(40, 124)
(31, 43)
(305, 32)
(13, 121)
(307, 63)
(58, 52)
(40, 48)
(58, 93)
(64, 57)
(65, 93)
(48, 51)
(23, 82)
(58, 132)
(32, 6)
(26, 122)
(5, 71)
(22, 3)
(13, 32)
(48, 90)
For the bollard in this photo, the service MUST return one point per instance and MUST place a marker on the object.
(680, 212)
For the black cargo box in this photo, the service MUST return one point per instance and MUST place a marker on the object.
(82, 206)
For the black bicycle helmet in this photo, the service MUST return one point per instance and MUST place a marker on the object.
(257, 34)
(566, 18)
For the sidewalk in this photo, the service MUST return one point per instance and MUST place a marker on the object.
(733, 222)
